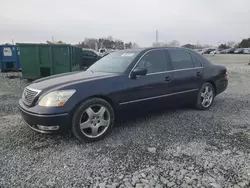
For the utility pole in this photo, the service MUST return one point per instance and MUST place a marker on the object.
(156, 38)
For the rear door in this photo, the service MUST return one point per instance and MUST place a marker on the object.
(153, 87)
(187, 74)
(198, 69)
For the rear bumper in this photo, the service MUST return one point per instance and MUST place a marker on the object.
(48, 123)
(221, 86)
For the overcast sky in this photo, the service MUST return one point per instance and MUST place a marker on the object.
(206, 21)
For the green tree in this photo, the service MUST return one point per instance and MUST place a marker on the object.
(191, 46)
(128, 45)
(223, 46)
(173, 43)
(108, 43)
(135, 45)
(245, 43)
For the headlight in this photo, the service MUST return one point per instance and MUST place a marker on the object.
(56, 98)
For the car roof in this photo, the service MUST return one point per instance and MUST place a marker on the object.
(143, 50)
(131, 50)
(151, 48)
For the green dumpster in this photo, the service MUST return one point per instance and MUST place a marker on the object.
(41, 60)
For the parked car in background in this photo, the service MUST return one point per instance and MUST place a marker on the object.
(246, 51)
(199, 51)
(217, 51)
(230, 50)
(213, 52)
(103, 52)
(207, 51)
(88, 102)
(89, 57)
(223, 51)
(239, 51)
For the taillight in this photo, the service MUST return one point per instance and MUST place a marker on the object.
(225, 75)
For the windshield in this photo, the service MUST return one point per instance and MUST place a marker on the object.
(116, 62)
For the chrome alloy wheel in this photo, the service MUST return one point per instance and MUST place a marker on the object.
(207, 96)
(94, 121)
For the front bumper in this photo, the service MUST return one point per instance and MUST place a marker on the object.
(45, 123)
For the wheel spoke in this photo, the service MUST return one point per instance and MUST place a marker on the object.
(94, 130)
(206, 89)
(90, 112)
(203, 94)
(101, 111)
(103, 123)
(210, 94)
(203, 102)
(85, 124)
(210, 99)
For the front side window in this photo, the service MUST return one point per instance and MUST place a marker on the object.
(155, 61)
(181, 59)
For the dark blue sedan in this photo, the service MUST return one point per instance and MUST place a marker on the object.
(88, 102)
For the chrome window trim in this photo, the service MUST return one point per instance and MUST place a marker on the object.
(164, 71)
(175, 70)
(160, 96)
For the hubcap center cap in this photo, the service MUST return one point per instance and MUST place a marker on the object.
(95, 120)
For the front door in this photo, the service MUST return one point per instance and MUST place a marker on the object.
(151, 89)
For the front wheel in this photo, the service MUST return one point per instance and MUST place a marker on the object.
(205, 97)
(93, 120)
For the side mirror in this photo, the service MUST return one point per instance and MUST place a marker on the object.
(139, 71)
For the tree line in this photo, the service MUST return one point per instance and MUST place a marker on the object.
(245, 43)
(108, 43)
(116, 44)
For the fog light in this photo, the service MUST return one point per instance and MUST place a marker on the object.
(48, 128)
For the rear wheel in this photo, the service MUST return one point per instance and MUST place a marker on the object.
(205, 97)
(93, 120)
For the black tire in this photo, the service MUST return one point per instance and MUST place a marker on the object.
(199, 104)
(81, 109)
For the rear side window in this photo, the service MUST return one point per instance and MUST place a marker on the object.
(181, 59)
(155, 61)
(197, 62)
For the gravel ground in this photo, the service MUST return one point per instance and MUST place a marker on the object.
(173, 148)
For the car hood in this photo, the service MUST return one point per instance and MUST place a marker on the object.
(68, 78)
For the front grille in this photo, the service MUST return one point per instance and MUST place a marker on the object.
(29, 95)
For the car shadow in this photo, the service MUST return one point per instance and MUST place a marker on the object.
(130, 116)
(139, 114)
